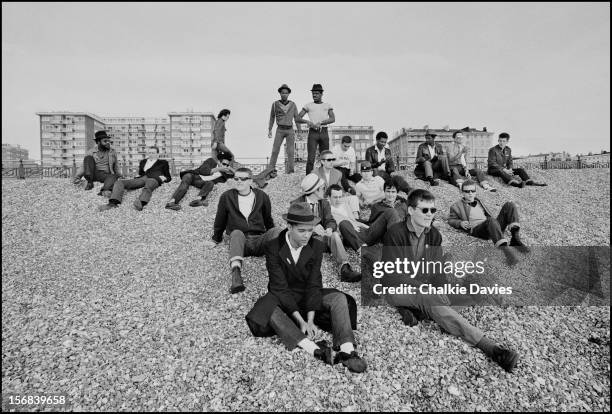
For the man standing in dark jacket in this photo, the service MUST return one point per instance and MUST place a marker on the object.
(431, 161)
(204, 177)
(152, 172)
(416, 240)
(295, 290)
(245, 214)
(500, 164)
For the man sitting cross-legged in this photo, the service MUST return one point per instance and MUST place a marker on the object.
(416, 240)
(152, 172)
(245, 214)
(471, 215)
(204, 177)
(457, 153)
(327, 231)
(296, 304)
(500, 164)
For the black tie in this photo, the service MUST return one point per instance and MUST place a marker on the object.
(473, 203)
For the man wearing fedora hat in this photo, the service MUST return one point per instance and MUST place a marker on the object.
(285, 112)
(101, 165)
(313, 193)
(321, 114)
(296, 304)
(431, 161)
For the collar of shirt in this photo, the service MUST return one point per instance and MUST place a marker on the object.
(295, 253)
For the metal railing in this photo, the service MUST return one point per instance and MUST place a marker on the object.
(406, 163)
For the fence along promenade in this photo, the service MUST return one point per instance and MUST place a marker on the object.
(259, 164)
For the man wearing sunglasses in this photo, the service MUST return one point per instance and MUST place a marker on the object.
(204, 177)
(416, 240)
(245, 215)
(332, 176)
(472, 216)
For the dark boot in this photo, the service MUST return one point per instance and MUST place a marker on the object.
(511, 258)
(515, 241)
(89, 185)
(237, 283)
(352, 361)
(407, 316)
(324, 353)
(348, 275)
(506, 358)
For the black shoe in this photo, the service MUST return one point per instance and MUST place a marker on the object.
(433, 182)
(352, 361)
(536, 184)
(173, 206)
(198, 203)
(138, 204)
(324, 353)
(516, 242)
(407, 316)
(237, 283)
(506, 358)
(348, 275)
(511, 258)
(89, 185)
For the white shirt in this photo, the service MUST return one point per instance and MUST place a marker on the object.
(347, 157)
(148, 164)
(381, 156)
(327, 175)
(245, 204)
(295, 253)
(432, 151)
(317, 112)
(370, 190)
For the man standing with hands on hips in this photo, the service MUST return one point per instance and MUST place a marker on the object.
(285, 112)
(321, 114)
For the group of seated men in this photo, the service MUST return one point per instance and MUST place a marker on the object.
(326, 218)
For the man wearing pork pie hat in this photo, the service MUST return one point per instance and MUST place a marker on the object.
(285, 112)
(296, 304)
(101, 165)
(313, 193)
(321, 114)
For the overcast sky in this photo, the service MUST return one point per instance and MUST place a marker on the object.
(538, 71)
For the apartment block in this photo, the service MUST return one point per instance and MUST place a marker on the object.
(190, 137)
(406, 142)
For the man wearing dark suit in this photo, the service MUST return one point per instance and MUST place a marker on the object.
(152, 172)
(204, 177)
(380, 158)
(327, 231)
(415, 240)
(499, 164)
(295, 290)
(245, 214)
(431, 161)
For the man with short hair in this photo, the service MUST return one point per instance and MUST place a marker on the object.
(381, 159)
(472, 216)
(456, 153)
(431, 161)
(313, 193)
(295, 291)
(321, 114)
(346, 163)
(285, 112)
(370, 189)
(152, 172)
(416, 240)
(245, 214)
(101, 165)
(500, 165)
(204, 177)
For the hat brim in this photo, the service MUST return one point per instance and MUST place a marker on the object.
(316, 90)
(315, 220)
(281, 89)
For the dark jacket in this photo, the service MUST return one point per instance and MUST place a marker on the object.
(293, 286)
(498, 158)
(372, 157)
(395, 245)
(159, 167)
(229, 217)
(460, 211)
(325, 214)
(423, 154)
(218, 134)
(379, 208)
(206, 169)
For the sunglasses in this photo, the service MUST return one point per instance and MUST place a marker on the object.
(469, 191)
(242, 178)
(329, 159)
(225, 164)
(426, 210)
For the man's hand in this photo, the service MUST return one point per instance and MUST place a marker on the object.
(309, 329)
(466, 225)
(319, 231)
(270, 134)
(328, 232)
(508, 171)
